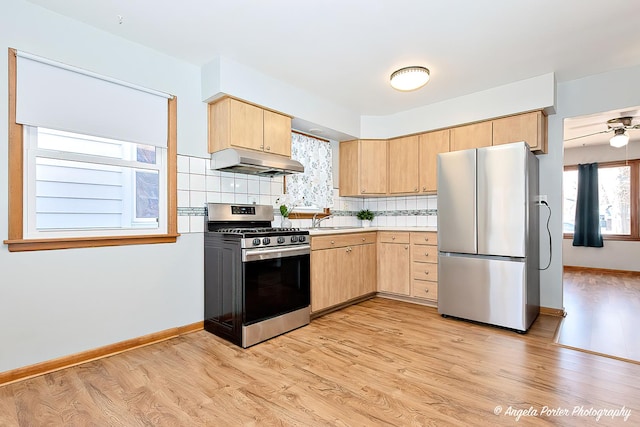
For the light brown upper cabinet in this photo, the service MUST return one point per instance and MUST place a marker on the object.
(430, 145)
(403, 165)
(363, 167)
(233, 123)
(530, 127)
(476, 135)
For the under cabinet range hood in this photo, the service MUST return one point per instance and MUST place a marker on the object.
(254, 163)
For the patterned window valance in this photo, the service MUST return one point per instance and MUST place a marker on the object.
(314, 187)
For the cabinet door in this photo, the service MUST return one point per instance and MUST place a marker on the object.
(403, 165)
(348, 174)
(277, 133)
(373, 167)
(529, 127)
(430, 145)
(393, 268)
(367, 282)
(471, 136)
(325, 278)
(246, 127)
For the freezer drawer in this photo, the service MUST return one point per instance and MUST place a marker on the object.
(488, 290)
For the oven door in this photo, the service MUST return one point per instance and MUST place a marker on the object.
(276, 281)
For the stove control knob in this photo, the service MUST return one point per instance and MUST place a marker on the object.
(294, 239)
(280, 240)
(301, 238)
(256, 242)
(266, 241)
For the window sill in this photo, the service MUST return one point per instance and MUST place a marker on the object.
(309, 215)
(87, 242)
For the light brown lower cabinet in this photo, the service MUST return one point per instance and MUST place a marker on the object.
(424, 265)
(343, 267)
(393, 262)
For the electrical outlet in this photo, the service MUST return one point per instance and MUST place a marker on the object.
(540, 198)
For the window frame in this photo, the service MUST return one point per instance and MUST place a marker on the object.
(16, 241)
(634, 195)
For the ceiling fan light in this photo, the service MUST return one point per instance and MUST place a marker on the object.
(409, 78)
(620, 139)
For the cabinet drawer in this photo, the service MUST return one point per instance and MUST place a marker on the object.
(393, 237)
(424, 289)
(340, 240)
(424, 271)
(423, 253)
(426, 238)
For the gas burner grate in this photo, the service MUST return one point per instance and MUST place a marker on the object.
(257, 230)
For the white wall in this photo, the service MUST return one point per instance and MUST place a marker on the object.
(615, 255)
(589, 95)
(224, 76)
(56, 303)
(535, 93)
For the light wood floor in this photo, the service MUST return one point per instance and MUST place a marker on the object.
(603, 312)
(379, 363)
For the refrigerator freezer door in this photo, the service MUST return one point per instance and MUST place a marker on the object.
(483, 289)
(457, 197)
(502, 200)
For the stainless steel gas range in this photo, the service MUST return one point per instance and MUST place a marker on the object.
(257, 278)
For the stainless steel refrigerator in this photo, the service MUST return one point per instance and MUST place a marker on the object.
(488, 235)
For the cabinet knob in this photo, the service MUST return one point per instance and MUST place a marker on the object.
(363, 191)
(406, 247)
(415, 189)
(424, 188)
(262, 147)
(426, 254)
(426, 272)
(333, 242)
(426, 239)
(393, 237)
(426, 291)
(363, 239)
(268, 148)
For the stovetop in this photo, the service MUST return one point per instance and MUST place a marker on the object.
(260, 230)
(251, 224)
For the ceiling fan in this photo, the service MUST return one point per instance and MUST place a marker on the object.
(620, 127)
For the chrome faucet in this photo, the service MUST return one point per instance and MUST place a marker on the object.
(315, 222)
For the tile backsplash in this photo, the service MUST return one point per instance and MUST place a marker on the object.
(198, 185)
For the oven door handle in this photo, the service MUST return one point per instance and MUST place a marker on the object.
(249, 255)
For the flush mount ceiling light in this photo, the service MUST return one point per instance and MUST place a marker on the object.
(409, 78)
(620, 139)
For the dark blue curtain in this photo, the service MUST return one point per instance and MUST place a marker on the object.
(587, 224)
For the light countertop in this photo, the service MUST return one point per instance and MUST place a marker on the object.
(342, 230)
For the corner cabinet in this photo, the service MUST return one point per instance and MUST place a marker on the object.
(343, 269)
(363, 167)
(233, 123)
(530, 127)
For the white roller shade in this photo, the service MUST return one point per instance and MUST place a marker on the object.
(57, 96)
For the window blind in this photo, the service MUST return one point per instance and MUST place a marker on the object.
(57, 96)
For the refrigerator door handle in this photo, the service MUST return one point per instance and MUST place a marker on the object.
(487, 257)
